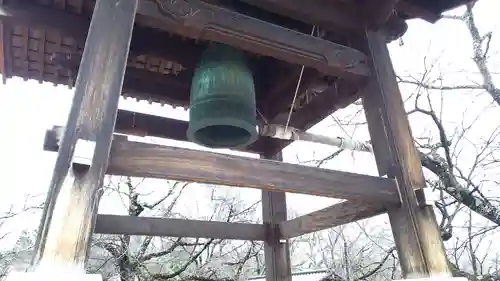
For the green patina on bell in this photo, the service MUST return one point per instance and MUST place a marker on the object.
(222, 102)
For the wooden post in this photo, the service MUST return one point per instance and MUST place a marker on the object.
(420, 249)
(71, 205)
(276, 250)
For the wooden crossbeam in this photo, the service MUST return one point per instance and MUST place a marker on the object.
(166, 227)
(210, 22)
(142, 125)
(155, 161)
(335, 15)
(335, 215)
(332, 15)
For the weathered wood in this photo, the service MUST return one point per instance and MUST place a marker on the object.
(419, 244)
(71, 204)
(17, 12)
(5, 41)
(141, 124)
(166, 227)
(335, 215)
(210, 22)
(276, 250)
(335, 15)
(412, 10)
(377, 12)
(155, 161)
(332, 15)
(205, 21)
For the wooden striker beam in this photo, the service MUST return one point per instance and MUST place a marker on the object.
(420, 249)
(71, 205)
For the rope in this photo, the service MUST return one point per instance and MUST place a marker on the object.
(297, 89)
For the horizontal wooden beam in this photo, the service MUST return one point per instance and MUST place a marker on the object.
(148, 226)
(335, 15)
(414, 11)
(332, 15)
(210, 22)
(155, 161)
(335, 215)
(142, 124)
(201, 20)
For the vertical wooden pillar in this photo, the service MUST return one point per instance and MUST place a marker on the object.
(415, 230)
(71, 205)
(276, 251)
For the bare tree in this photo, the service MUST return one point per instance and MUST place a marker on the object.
(350, 253)
(163, 258)
(461, 159)
(17, 254)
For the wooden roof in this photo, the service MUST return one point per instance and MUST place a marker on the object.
(44, 39)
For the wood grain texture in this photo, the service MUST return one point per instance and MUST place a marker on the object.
(335, 215)
(332, 15)
(377, 12)
(419, 244)
(210, 22)
(71, 205)
(19, 13)
(276, 250)
(166, 227)
(156, 161)
(141, 124)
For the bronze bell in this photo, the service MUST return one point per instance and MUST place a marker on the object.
(222, 101)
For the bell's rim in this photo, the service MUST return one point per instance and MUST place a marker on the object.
(249, 127)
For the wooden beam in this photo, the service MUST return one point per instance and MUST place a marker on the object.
(5, 50)
(377, 12)
(276, 250)
(71, 205)
(332, 15)
(335, 215)
(210, 22)
(417, 236)
(415, 11)
(166, 227)
(142, 124)
(66, 24)
(146, 125)
(155, 161)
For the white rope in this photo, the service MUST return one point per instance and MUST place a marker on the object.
(297, 89)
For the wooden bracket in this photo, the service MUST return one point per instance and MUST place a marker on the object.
(335, 215)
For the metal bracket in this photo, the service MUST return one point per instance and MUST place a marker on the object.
(83, 155)
(426, 196)
(84, 152)
(53, 138)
